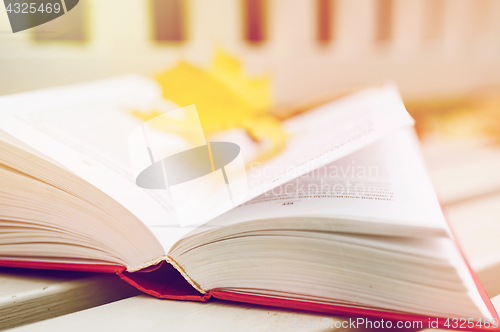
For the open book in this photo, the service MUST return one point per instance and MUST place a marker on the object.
(344, 220)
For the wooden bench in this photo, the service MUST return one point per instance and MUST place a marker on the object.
(28, 296)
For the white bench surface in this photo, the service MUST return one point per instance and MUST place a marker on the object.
(33, 295)
(144, 313)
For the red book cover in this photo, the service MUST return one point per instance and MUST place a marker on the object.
(165, 282)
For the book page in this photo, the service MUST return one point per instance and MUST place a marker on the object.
(85, 128)
(329, 133)
(385, 182)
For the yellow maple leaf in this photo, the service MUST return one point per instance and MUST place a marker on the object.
(225, 98)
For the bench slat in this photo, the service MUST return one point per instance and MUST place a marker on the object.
(32, 295)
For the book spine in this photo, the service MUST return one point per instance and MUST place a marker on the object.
(166, 281)
(26, 264)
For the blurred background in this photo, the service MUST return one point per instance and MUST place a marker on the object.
(311, 48)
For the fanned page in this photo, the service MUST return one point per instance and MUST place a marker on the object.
(384, 185)
(85, 128)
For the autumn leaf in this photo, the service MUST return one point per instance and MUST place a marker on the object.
(225, 98)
